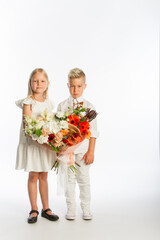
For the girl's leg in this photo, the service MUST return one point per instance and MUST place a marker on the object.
(32, 190)
(43, 189)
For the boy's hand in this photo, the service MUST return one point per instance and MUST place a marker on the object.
(88, 158)
(89, 155)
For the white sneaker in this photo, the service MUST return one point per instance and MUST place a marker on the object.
(71, 214)
(86, 214)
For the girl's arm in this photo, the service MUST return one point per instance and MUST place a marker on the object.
(27, 110)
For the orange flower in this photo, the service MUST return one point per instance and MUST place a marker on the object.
(73, 119)
(64, 132)
(84, 127)
(70, 141)
(77, 138)
(88, 135)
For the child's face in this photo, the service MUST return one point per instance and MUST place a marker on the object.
(39, 83)
(76, 87)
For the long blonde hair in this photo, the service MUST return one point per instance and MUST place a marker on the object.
(30, 91)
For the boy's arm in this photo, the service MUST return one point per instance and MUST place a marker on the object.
(89, 155)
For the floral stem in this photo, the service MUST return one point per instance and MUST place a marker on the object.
(77, 164)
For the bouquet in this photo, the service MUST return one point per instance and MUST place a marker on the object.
(62, 131)
(78, 129)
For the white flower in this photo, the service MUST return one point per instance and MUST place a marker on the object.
(48, 116)
(28, 131)
(28, 128)
(34, 137)
(55, 127)
(83, 114)
(39, 124)
(59, 114)
(52, 126)
(42, 139)
(63, 124)
(29, 120)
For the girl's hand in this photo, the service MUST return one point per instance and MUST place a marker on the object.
(88, 158)
(46, 146)
(61, 151)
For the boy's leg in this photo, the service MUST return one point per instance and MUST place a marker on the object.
(70, 195)
(83, 180)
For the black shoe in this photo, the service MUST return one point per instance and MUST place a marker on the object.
(33, 219)
(52, 217)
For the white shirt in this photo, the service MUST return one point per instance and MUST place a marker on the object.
(63, 107)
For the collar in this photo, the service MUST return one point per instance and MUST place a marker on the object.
(80, 99)
(75, 101)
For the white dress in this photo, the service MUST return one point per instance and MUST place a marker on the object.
(30, 155)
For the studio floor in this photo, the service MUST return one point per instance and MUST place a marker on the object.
(112, 220)
(111, 225)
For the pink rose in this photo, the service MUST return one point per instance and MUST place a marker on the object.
(56, 144)
(45, 132)
(58, 137)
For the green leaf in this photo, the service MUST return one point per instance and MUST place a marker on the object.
(56, 149)
(82, 120)
(83, 110)
(34, 122)
(76, 112)
(38, 132)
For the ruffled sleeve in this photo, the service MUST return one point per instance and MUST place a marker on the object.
(27, 101)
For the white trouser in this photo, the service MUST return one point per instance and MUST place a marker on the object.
(83, 180)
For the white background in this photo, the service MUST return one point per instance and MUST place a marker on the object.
(116, 43)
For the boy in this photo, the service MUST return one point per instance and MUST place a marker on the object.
(84, 154)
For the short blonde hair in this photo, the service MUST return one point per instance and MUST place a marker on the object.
(76, 73)
(30, 91)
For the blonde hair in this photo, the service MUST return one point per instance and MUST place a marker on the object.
(76, 73)
(30, 91)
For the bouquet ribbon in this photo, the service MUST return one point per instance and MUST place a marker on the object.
(62, 178)
(65, 159)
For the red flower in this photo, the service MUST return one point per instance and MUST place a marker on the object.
(84, 127)
(67, 142)
(73, 119)
(77, 137)
(51, 137)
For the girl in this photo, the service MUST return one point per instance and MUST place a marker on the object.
(31, 156)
